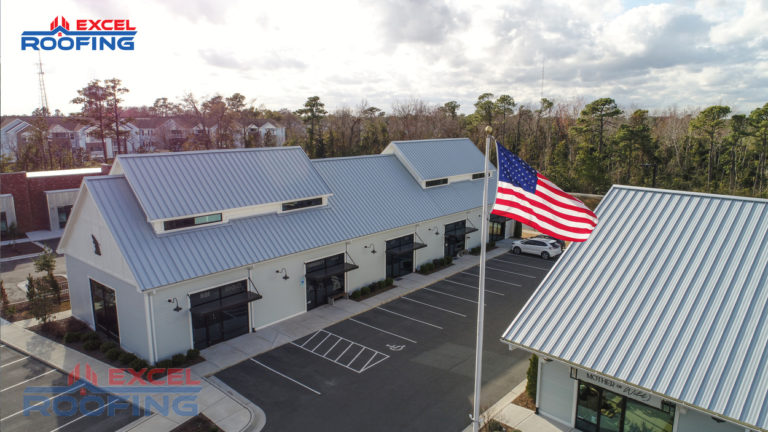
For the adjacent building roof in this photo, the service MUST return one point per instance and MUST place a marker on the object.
(171, 185)
(438, 158)
(669, 294)
(370, 194)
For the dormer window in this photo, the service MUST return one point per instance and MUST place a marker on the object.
(295, 205)
(437, 182)
(175, 224)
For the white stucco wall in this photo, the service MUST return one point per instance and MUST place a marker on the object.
(556, 391)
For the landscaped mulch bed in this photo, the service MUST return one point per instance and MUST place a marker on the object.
(434, 270)
(525, 401)
(21, 309)
(19, 249)
(198, 423)
(497, 426)
(56, 330)
(373, 293)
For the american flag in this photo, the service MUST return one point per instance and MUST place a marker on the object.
(528, 197)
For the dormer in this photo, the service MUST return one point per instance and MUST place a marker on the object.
(439, 162)
(194, 190)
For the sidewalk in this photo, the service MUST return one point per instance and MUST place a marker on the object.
(518, 417)
(224, 406)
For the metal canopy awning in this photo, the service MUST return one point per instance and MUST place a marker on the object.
(332, 271)
(225, 303)
(402, 250)
(468, 230)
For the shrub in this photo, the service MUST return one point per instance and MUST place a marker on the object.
(127, 358)
(165, 364)
(178, 359)
(91, 345)
(364, 291)
(193, 354)
(389, 282)
(70, 337)
(114, 353)
(138, 364)
(533, 374)
(107, 346)
(491, 245)
(355, 295)
(91, 335)
(448, 261)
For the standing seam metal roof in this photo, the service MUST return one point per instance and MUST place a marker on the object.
(670, 294)
(440, 158)
(170, 185)
(371, 194)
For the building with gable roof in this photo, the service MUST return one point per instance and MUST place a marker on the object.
(659, 322)
(179, 250)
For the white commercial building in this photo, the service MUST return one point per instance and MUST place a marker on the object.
(659, 322)
(179, 250)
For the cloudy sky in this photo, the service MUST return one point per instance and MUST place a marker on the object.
(644, 54)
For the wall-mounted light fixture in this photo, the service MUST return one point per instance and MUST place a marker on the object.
(437, 230)
(173, 300)
(284, 272)
(372, 247)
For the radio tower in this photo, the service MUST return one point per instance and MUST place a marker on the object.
(43, 96)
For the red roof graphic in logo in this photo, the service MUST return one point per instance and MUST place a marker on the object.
(64, 24)
(74, 376)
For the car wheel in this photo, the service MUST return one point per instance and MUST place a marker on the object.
(545, 255)
(516, 250)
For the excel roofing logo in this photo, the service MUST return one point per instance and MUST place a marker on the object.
(165, 391)
(94, 35)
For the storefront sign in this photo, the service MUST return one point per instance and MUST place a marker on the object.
(620, 388)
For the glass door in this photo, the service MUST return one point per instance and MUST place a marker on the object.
(611, 412)
(104, 309)
(587, 407)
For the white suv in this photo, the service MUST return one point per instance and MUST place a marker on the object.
(544, 248)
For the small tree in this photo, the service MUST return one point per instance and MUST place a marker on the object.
(46, 262)
(533, 375)
(4, 296)
(40, 299)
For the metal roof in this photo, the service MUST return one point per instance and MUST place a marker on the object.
(439, 158)
(370, 194)
(670, 294)
(171, 185)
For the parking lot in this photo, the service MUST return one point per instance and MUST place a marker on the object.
(405, 365)
(88, 412)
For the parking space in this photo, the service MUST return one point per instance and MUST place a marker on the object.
(53, 403)
(405, 365)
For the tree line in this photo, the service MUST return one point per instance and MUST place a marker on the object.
(582, 147)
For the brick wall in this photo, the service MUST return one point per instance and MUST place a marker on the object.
(29, 195)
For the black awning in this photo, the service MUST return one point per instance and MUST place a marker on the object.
(469, 230)
(402, 250)
(225, 303)
(331, 271)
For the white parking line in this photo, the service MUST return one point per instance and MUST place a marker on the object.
(473, 287)
(517, 263)
(511, 272)
(492, 279)
(433, 306)
(286, 377)
(383, 331)
(450, 295)
(410, 318)
(42, 402)
(15, 361)
(26, 381)
(83, 415)
(363, 349)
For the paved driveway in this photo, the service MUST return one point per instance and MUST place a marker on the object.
(19, 372)
(405, 365)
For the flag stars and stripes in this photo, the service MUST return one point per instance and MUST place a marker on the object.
(528, 197)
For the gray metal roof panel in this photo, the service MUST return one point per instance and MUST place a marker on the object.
(440, 158)
(170, 185)
(669, 294)
(371, 194)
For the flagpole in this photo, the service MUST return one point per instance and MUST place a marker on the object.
(481, 287)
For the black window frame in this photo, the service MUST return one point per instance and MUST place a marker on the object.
(300, 204)
(479, 175)
(437, 182)
(100, 288)
(67, 212)
(3, 222)
(176, 224)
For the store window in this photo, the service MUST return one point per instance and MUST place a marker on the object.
(64, 212)
(601, 410)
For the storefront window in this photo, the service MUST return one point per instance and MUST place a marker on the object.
(643, 418)
(600, 410)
